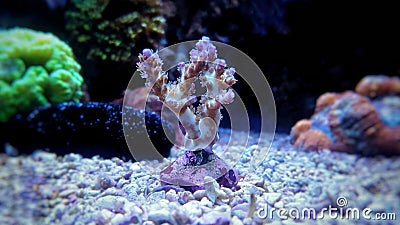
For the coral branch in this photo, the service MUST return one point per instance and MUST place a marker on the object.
(179, 96)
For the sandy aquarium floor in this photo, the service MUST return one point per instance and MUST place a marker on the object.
(312, 187)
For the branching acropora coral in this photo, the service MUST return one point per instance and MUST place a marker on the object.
(36, 69)
(200, 123)
(110, 30)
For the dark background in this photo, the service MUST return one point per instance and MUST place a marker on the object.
(305, 48)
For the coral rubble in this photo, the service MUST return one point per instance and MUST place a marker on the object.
(44, 188)
(366, 121)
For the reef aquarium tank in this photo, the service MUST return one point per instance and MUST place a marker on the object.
(199, 112)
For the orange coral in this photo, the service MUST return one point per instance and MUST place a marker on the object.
(354, 123)
(312, 140)
(300, 127)
(388, 141)
(325, 100)
(374, 86)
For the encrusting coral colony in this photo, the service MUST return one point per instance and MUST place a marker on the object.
(36, 69)
(366, 121)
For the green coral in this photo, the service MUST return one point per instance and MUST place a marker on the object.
(111, 30)
(11, 69)
(64, 85)
(7, 106)
(36, 69)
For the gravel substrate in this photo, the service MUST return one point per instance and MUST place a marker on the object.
(44, 188)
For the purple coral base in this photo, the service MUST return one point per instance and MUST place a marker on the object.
(184, 171)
